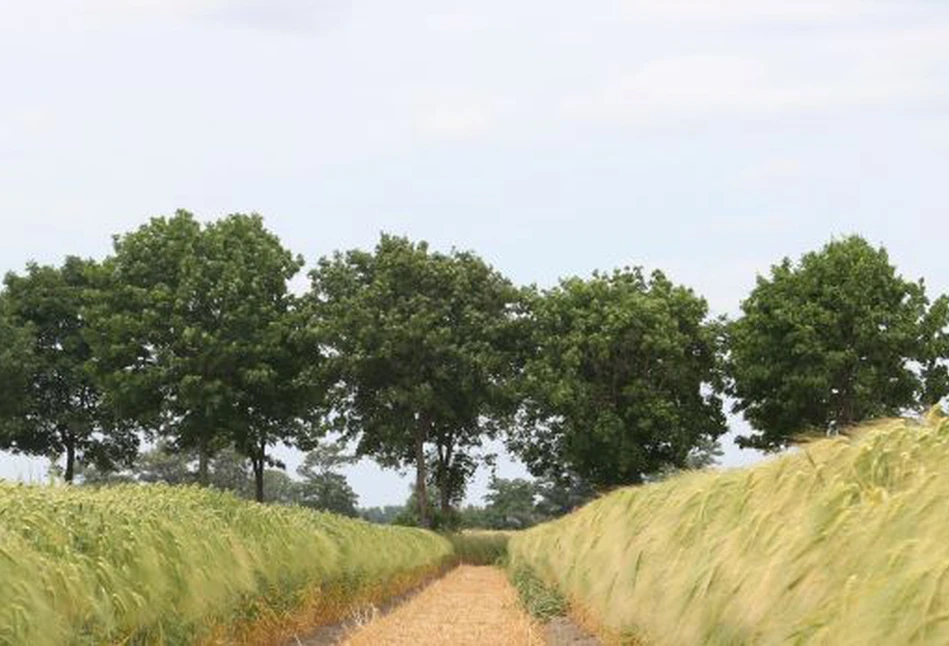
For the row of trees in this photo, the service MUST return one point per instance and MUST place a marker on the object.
(509, 504)
(188, 334)
(319, 484)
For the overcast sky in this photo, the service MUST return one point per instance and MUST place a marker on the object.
(708, 138)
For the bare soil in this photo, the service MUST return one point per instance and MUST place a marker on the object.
(561, 631)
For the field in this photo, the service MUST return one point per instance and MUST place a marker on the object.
(162, 565)
(841, 542)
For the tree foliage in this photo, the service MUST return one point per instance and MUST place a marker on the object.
(836, 338)
(623, 381)
(556, 497)
(385, 515)
(63, 410)
(518, 503)
(424, 346)
(322, 486)
(199, 337)
(510, 503)
(16, 358)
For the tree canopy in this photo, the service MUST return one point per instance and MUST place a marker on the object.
(199, 337)
(833, 339)
(189, 338)
(62, 410)
(424, 346)
(16, 356)
(623, 381)
(322, 486)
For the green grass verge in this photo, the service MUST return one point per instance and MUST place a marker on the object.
(541, 601)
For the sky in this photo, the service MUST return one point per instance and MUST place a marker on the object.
(707, 139)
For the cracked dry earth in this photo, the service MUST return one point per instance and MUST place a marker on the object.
(468, 606)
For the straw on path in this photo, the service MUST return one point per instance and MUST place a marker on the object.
(470, 605)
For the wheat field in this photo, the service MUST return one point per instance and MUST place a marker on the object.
(163, 565)
(843, 541)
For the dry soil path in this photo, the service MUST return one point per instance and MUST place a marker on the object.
(468, 606)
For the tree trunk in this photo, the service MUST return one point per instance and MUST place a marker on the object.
(70, 461)
(421, 488)
(847, 418)
(445, 496)
(845, 410)
(258, 463)
(204, 459)
(441, 477)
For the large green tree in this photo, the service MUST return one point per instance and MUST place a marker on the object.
(259, 339)
(622, 382)
(199, 337)
(833, 339)
(16, 352)
(64, 411)
(424, 346)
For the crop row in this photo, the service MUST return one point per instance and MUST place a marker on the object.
(840, 542)
(162, 565)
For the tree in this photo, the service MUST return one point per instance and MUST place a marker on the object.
(322, 487)
(623, 380)
(16, 356)
(412, 514)
(64, 410)
(510, 503)
(92, 475)
(381, 515)
(423, 349)
(259, 338)
(560, 496)
(830, 341)
(230, 472)
(199, 337)
(279, 488)
(935, 360)
(704, 454)
(473, 517)
(164, 464)
(328, 492)
(147, 329)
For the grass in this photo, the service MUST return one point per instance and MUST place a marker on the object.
(162, 565)
(841, 542)
(542, 601)
(481, 547)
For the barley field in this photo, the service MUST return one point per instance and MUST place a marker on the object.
(842, 542)
(163, 565)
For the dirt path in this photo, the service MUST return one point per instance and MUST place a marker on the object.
(470, 605)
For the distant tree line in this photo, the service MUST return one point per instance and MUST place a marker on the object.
(319, 484)
(515, 503)
(187, 339)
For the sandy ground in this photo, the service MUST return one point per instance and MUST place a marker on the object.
(469, 606)
(560, 631)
